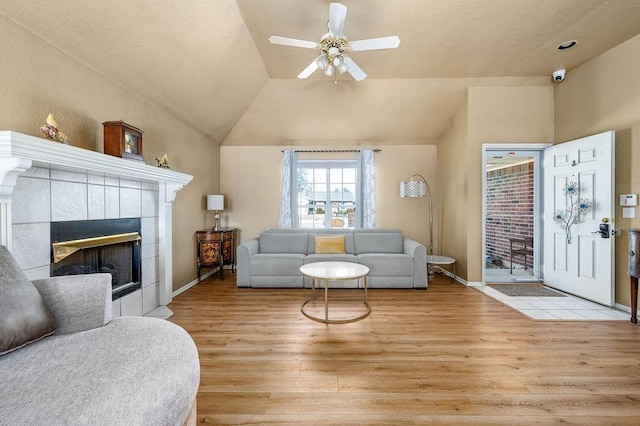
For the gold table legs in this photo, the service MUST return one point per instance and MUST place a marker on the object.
(326, 319)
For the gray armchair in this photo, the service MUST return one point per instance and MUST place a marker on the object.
(64, 360)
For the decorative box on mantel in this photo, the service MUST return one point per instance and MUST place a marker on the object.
(122, 140)
(53, 168)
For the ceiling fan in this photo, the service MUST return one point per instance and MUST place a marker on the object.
(334, 48)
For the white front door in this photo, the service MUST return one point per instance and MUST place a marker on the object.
(583, 266)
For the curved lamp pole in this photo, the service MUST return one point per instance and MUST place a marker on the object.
(414, 189)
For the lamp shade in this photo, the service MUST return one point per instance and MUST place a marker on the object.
(413, 189)
(215, 202)
(322, 62)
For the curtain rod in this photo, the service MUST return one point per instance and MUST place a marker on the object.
(332, 150)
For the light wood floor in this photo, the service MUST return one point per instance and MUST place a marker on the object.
(448, 355)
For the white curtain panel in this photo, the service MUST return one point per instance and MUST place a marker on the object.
(366, 218)
(289, 190)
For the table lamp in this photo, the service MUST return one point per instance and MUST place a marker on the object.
(216, 203)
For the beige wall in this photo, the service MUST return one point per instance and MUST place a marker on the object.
(500, 115)
(453, 182)
(36, 79)
(250, 175)
(251, 181)
(602, 95)
(493, 115)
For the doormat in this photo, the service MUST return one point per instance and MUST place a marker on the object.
(525, 290)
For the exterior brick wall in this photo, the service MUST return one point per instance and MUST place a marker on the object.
(509, 211)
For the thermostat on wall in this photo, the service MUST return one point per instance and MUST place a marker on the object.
(628, 199)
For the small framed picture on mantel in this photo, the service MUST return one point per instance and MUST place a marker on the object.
(122, 140)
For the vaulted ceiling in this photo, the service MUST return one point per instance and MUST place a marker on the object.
(209, 62)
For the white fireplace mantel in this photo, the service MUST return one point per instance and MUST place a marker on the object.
(20, 152)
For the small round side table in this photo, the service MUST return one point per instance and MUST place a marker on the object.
(441, 260)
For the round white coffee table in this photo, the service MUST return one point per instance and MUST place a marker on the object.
(334, 271)
(441, 260)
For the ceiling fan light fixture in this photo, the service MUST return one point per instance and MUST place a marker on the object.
(334, 48)
(329, 71)
(322, 62)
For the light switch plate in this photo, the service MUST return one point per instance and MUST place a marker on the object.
(629, 212)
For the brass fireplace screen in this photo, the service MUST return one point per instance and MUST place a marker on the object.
(64, 249)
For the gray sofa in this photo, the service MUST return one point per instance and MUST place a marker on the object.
(65, 361)
(275, 257)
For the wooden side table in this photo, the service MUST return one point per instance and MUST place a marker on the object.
(216, 249)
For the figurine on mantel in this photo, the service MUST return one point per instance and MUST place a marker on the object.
(163, 162)
(52, 132)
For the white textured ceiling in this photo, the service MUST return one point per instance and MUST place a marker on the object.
(210, 64)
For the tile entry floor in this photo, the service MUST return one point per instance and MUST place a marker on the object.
(569, 308)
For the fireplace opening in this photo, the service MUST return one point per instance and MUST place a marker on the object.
(92, 246)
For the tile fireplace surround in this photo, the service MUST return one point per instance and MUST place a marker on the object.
(43, 181)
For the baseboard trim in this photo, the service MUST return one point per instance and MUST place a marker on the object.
(625, 308)
(457, 278)
(188, 285)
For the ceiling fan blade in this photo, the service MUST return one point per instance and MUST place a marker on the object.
(353, 69)
(313, 66)
(337, 16)
(375, 43)
(286, 41)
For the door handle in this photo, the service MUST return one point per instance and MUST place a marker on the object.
(603, 231)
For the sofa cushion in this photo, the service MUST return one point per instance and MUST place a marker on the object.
(78, 302)
(283, 243)
(311, 258)
(276, 264)
(24, 317)
(268, 281)
(387, 265)
(330, 244)
(378, 242)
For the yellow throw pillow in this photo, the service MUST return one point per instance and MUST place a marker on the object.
(330, 244)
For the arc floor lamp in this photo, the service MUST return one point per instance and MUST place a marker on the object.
(414, 189)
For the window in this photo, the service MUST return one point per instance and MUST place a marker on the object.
(326, 195)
